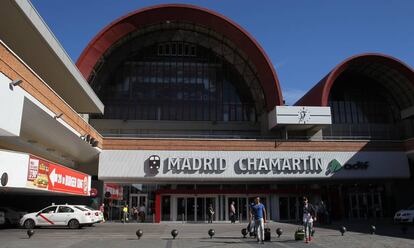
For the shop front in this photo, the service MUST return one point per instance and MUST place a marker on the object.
(182, 185)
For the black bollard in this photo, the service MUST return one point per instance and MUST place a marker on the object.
(211, 233)
(279, 231)
(174, 233)
(244, 232)
(373, 229)
(30, 233)
(139, 233)
(342, 230)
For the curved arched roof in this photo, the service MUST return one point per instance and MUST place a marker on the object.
(395, 75)
(188, 13)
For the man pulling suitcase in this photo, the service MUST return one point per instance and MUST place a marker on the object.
(258, 213)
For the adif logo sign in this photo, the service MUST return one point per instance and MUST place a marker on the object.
(335, 166)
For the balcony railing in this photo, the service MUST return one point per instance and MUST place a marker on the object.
(399, 131)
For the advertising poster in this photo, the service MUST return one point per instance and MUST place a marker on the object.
(49, 176)
(115, 190)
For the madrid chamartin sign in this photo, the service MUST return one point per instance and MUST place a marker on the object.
(245, 165)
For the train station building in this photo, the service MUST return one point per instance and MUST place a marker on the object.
(177, 107)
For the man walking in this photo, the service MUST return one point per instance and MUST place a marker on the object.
(210, 213)
(258, 212)
(232, 212)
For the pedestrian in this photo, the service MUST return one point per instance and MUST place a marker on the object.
(258, 212)
(232, 212)
(309, 216)
(323, 213)
(210, 213)
(141, 212)
(102, 209)
(125, 213)
(135, 213)
(252, 226)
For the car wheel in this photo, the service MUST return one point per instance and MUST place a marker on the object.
(29, 224)
(73, 224)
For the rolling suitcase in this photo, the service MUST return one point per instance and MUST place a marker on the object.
(300, 234)
(267, 234)
(251, 228)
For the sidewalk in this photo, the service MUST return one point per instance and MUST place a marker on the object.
(109, 235)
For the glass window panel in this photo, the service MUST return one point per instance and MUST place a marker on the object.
(151, 87)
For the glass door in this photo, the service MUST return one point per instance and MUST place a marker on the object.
(166, 208)
(288, 208)
(181, 209)
(201, 209)
(138, 201)
(210, 201)
(190, 209)
(241, 206)
(284, 208)
(243, 209)
(365, 205)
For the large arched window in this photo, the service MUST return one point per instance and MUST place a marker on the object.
(358, 99)
(175, 81)
(367, 96)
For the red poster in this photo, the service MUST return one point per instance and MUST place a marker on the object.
(43, 174)
(116, 191)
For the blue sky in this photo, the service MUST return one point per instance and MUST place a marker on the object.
(304, 39)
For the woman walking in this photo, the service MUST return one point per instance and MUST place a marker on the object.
(309, 216)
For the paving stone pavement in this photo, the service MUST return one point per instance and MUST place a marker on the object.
(108, 235)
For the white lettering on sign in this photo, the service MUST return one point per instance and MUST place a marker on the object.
(246, 165)
(290, 165)
(202, 165)
(65, 180)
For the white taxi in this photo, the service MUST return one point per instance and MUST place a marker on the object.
(58, 215)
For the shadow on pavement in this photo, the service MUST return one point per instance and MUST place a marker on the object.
(383, 228)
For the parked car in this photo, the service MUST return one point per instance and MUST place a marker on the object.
(12, 216)
(97, 215)
(58, 215)
(2, 218)
(405, 215)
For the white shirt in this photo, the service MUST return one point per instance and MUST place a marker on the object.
(307, 218)
(142, 209)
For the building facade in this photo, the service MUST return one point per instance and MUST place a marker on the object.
(194, 116)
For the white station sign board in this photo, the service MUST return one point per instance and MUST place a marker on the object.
(299, 115)
(131, 165)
